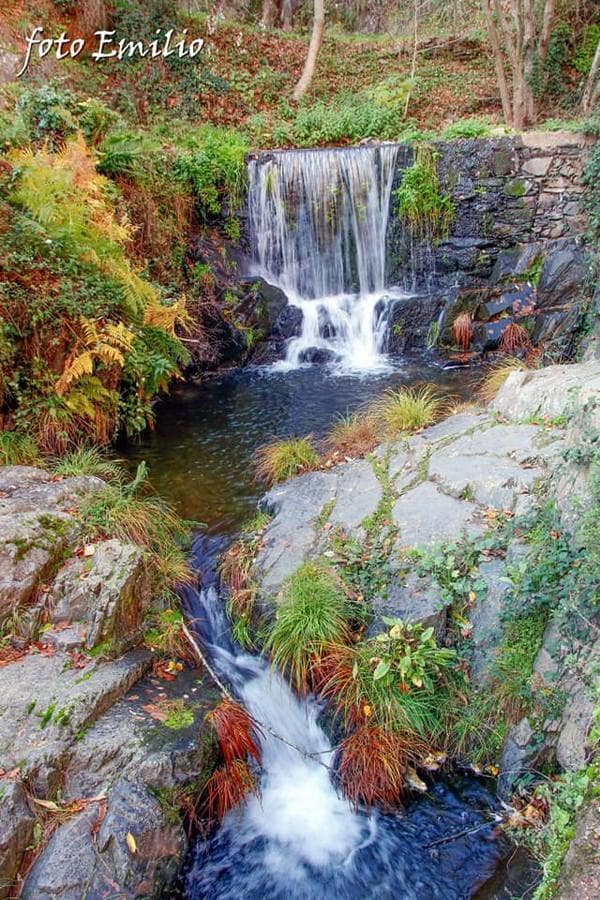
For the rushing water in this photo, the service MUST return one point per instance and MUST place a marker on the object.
(299, 839)
(317, 223)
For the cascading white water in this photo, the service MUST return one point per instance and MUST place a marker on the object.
(299, 839)
(317, 223)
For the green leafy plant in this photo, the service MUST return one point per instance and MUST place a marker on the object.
(419, 199)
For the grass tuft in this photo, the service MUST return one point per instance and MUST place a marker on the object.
(353, 435)
(88, 461)
(408, 410)
(282, 460)
(515, 337)
(372, 765)
(462, 330)
(227, 788)
(497, 375)
(18, 450)
(236, 731)
(313, 614)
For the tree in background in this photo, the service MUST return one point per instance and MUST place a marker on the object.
(591, 90)
(313, 50)
(519, 32)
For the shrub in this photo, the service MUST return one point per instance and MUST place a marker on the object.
(396, 680)
(215, 167)
(407, 410)
(347, 119)
(313, 613)
(466, 128)
(419, 199)
(497, 375)
(283, 459)
(353, 435)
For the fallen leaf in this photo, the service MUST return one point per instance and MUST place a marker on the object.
(89, 549)
(131, 843)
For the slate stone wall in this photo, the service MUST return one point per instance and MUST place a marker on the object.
(515, 250)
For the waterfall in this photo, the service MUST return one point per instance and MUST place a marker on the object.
(317, 223)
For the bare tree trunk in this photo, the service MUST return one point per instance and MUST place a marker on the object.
(313, 51)
(498, 61)
(520, 33)
(269, 13)
(287, 15)
(413, 67)
(591, 91)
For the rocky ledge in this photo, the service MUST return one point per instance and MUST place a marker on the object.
(450, 484)
(93, 742)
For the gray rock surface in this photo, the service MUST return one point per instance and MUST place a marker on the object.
(358, 495)
(548, 392)
(425, 516)
(412, 599)
(16, 832)
(518, 754)
(487, 480)
(296, 506)
(108, 592)
(35, 527)
(485, 618)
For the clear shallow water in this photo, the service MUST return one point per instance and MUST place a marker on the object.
(200, 454)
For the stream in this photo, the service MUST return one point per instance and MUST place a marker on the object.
(318, 225)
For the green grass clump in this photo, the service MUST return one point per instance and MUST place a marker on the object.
(88, 461)
(419, 199)
(283, 459)
(408, 410)
(18, 449)
(313, 614)
(124, 512)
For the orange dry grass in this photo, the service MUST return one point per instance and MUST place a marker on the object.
(462, 330)
(227, 787)
(514, 337)
(372, 767)
(354, 435)
(236, 731)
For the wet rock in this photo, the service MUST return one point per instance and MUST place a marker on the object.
(270, 301)
(109, 592)
(16, 832)
(317, 356)
(160, 845)
(563, 274)
(359, 493)
(66, 866)
(548, 392)
(487, 335)
(288, 540)
(412, 599)
(426, 516)
(288, 324)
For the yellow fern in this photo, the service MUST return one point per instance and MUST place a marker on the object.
(168, 317)
(82, 364)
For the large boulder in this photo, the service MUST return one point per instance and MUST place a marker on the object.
(36, 525)
(548, 392)
(426, 516)
(109, 592)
